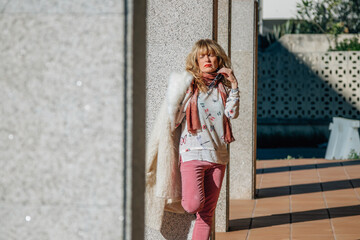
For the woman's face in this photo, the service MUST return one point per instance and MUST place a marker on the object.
(208, 62)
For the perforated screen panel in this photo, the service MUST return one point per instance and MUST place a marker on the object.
(308, 85)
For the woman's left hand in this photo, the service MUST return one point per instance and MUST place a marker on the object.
(229, 75)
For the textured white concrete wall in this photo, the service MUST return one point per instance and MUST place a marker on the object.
(308, 43)
(279, 9)
(62, 74)
(172, 29)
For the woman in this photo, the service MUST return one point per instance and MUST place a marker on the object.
(199, 105)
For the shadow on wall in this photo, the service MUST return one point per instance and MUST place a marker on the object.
(299, 93)
(182, 228)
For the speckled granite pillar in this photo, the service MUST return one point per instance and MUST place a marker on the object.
(172, 29)
(71, 145)
(243, 56)
(223, 31)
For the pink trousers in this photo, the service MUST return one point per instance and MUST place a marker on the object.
(201, 183)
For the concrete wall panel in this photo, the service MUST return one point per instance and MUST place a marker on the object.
(63, 6)
(65, 108)
(172, 29)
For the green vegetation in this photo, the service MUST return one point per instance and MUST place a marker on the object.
(354, 155)
(289, 27)
(291, 157)
(352, 44)
(331, 17)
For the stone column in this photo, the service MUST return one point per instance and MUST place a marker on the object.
(172, 29)
(233, 16)
(244, 59)
(221, 223)
(236, 32)
(72, 119)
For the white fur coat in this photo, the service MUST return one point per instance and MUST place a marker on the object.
(163, 180)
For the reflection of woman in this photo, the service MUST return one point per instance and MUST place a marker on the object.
(199, 106)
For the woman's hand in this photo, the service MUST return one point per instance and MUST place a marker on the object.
(229, 75)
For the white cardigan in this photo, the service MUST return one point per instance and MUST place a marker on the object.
(163, 179)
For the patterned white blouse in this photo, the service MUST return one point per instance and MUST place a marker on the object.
(208, 143)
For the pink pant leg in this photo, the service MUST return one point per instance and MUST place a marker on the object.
(201, 183)
(192, 182)
(212, 185)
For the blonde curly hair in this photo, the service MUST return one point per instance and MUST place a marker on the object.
(206, 46)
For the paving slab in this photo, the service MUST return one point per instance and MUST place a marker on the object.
(300, 199)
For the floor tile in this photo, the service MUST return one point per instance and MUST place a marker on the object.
(293, 196)
(237, 235)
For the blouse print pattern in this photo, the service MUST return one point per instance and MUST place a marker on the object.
(208, 143)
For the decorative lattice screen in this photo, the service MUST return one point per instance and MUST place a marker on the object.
(308, 85)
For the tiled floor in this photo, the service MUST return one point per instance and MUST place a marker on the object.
(300, 199)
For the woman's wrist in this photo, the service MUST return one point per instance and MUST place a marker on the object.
(234, 85)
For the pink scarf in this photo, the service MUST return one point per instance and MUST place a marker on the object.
(192, 115)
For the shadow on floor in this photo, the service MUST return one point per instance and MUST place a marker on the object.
(307, 188)
(288, 218)
(306, 166)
